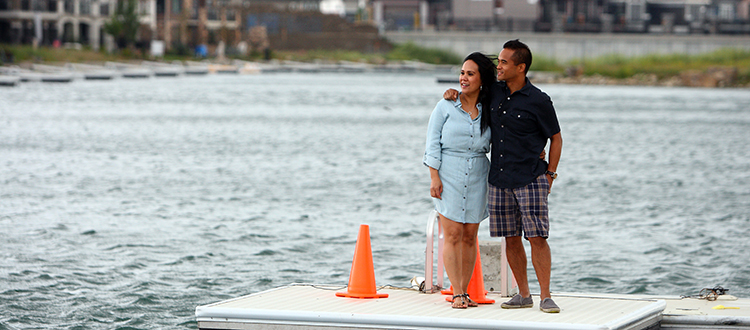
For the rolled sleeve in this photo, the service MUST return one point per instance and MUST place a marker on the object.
(431, 162)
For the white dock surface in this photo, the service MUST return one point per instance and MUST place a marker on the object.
(317, 307)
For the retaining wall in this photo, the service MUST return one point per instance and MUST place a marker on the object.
(566, 47)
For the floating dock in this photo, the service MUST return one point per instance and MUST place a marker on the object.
(306, 306)
(319, 307)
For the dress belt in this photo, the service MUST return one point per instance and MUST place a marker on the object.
(463, 154)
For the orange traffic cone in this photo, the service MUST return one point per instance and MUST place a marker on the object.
(476, 289)
(362, 276)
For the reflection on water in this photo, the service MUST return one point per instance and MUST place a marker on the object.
(128, 203)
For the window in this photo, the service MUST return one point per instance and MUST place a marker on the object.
(726, 11)
(85, 7)
(144, 8)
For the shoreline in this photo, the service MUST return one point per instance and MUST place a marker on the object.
(711, 78)
(721, 69)
(717, 77)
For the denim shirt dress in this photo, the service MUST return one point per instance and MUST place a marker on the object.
(457, 148)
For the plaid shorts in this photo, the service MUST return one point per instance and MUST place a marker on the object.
(513, 210)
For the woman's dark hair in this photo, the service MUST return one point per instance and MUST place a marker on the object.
(488, 75)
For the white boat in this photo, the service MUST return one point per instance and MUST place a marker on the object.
(129, 70)
(246, 67)
(301, 67)
(53, 73)
(223, 68)
(163, 69)
(274, 67)
(195, 68)
(25, 75)
(354, 67)
(9, 81)
(92, 72)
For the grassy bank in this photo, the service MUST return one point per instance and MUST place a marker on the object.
(660, 67)
(404, 52)
(665, 66)
(23, 53)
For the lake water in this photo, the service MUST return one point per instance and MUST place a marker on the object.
(126, 204)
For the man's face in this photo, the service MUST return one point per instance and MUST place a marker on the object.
(506, 68)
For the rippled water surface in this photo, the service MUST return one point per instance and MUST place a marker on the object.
(126, 204)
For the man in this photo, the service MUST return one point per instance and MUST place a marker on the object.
(522, 121)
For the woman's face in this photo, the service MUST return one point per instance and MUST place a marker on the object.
(469, 79)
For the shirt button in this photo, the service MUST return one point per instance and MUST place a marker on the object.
(501, 170)
(501, 155)
(508, 97)
(501, 141)
(519, 116)
(504, 112)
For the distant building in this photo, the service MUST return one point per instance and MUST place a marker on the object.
(400, 14)
(185, 24)
(64, 21)
(333, 7)
(589, 16)
(461, 15)
(645, 16)
(498, 15)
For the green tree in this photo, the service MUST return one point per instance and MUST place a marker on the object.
(124, 24)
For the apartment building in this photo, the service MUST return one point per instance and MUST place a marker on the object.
(588, 16)
(48, 22)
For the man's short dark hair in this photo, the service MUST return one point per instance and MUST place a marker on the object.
(521, 53)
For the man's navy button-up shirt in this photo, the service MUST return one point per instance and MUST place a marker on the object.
(521, 124)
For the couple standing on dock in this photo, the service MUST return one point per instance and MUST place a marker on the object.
(503, 111)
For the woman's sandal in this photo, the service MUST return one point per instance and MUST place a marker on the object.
(459, 302)
(469, 302)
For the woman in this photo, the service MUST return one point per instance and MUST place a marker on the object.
(458, 138)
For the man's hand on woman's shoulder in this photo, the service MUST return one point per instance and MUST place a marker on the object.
(450, 94)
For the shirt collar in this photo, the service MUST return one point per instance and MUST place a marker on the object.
(525, 90)
(457, 103)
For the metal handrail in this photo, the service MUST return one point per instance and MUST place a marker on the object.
(432, 219)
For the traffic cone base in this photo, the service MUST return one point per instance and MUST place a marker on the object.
(362, 276)
(448, 291)
(361, 295)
